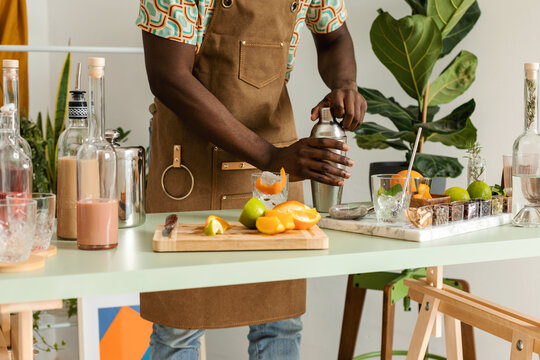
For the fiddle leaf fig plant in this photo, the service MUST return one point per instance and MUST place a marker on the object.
(410, 48)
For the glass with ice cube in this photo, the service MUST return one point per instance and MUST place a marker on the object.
(390, 199)
(269, 178)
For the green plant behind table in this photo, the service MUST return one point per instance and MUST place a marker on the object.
(44, 142)
(410, 47)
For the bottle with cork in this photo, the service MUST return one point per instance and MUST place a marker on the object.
(69, 142)
(10, 88)
(97, 205)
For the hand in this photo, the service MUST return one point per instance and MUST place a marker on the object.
(346, 103)
(308, 159)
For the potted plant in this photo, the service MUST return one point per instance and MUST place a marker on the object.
(410, 47)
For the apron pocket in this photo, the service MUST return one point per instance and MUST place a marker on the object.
(261, 63)
(234, 201)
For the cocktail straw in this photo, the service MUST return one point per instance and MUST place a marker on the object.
(411, 162)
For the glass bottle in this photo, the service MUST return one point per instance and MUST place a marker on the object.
(97, 206)
(526, 158)
(69, 142)
(15, 166)
(10, 72)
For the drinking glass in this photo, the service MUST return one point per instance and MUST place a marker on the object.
(46, 206)
(270, 178)
(17, 228)
(390, 198)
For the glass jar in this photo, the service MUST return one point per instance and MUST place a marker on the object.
(69, 142)
(97, 205)
(15, 166)
(526, 158)
(10, 88)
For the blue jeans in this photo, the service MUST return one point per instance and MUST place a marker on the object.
(279, 340)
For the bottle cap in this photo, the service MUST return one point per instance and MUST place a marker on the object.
(532, 66)
(10, 63)
(96, 61)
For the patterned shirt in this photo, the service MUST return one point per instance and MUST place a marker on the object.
(186, 20)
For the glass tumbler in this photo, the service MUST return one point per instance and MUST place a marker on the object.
(17, 228)
(390, 197)
(269, 190)
(46, 206)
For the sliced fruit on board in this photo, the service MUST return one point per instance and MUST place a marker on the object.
(274, 188)
(253, 209)
(269, 225)
(285, 218)
(226, 226)
(291, 205)
(305, 219)
(214, 227)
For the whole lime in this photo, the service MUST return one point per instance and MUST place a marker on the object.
(253, 209)
(457, 193)
(479, 190)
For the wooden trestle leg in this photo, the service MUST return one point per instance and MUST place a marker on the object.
(354, 304)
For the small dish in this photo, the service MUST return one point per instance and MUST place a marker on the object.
(436, 199)
(348, 211)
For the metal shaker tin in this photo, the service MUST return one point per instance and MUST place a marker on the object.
(325, 196)
(130, 179)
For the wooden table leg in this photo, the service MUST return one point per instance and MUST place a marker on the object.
(354, 304)
(4, 355)
(389, 309)
(522, 346)
(467, 331)
(22, 336)
(452, 332)
(424, 327)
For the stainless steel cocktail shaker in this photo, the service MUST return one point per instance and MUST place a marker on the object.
(325, 196)
(130, 174)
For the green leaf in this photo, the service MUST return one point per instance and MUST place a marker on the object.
(417, 6)
(461, 29)
(451, 123)
(377, 141)
(409, 48)
(459, 139)
(437, 166)
(62, 98)
(432, 111)
(388, 107)
(454, 80)
(447, 13)
(394, 190)
(369, 128)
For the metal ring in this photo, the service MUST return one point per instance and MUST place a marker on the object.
(163, 182)
(227, 3)
(294, 6)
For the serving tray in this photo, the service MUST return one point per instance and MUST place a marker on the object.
(370, 226)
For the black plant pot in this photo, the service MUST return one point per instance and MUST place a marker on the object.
(438, 184)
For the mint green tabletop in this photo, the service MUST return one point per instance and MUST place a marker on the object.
(134, 267)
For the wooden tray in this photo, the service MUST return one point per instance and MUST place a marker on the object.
(436, 199)
(190, 237)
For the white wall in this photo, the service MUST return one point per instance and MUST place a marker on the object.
(503, 39)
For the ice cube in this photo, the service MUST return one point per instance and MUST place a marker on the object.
(268, 178)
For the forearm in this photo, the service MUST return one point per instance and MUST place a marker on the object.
(171, 80)
(336, 61)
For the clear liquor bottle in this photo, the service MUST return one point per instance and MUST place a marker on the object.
(526, 158)
(97, 205)
(69, 142)
(10, 76)
(15, 167)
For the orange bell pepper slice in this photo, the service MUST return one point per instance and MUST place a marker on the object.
(274, 188)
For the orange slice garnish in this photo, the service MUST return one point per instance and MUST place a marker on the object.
(274, 188)
(285, 218)
(269, 225)
(224, 224)
(305, 219)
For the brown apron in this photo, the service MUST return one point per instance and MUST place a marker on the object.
(242, 61)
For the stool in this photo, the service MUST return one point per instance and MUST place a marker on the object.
(394, 289)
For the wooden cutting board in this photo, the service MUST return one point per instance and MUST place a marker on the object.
(190, 237)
